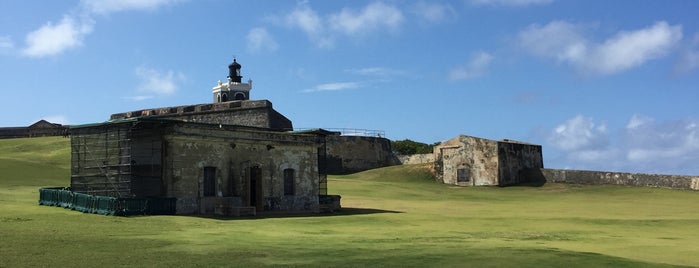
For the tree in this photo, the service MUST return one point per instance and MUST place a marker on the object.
(408, 147)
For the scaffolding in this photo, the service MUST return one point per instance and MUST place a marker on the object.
(115, 159)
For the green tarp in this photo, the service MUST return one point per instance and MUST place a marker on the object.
(105, 205)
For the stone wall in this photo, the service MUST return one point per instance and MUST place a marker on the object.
(513, 157)
(233, 156)
(414, 159)
(616, 178)
(258, 113)
(349, 154)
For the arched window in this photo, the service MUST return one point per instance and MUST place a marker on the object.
(289, 182)
(224, 98)
(218, 97)
(239, 96)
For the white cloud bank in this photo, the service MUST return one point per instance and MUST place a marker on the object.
(103, 7)
(476, 67)
(434, 12)
(642, 145)
(689, 58)
(51, 39)
(334, 87)
(161, 83)
(323, 30)
(566, 43)
(260, 40)
(55, 38)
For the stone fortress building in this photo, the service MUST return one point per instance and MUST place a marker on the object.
(223, 157)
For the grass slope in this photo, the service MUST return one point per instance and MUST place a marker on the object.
(396, 216)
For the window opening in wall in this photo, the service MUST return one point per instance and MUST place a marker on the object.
(239, 96)
(232, 183)
(224, 98)
(209, 181)
(463, 175)
(289, 181)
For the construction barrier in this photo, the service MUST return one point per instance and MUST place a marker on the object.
(105, 205)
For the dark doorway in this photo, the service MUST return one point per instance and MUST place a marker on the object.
(255, 193)
(209, 181)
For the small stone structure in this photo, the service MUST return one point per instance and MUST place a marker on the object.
(472, 161)
(41, 128)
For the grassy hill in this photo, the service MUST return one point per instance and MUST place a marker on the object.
(396, 216)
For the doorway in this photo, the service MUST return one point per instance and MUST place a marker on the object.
(255, 198)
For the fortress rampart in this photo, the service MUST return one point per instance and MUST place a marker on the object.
(614, 178)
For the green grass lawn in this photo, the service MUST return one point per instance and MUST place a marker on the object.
(395, 216)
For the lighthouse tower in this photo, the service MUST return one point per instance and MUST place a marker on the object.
(234, 89)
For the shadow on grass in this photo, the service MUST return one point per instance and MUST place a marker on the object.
(345, 211)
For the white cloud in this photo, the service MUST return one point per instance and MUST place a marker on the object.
(323, 30)
(434, 12)
(377, 71)
(644, 145)
(664, 145)
(565, 42)
(260, 40)
(157, 82)
(334, 87)
(474, 68)
(53, 39)
(689, 58)
(6, 43)
(510, 2)
(638, 121)
(373, 17)
(102, 7)
(579, 133)
(306, 19)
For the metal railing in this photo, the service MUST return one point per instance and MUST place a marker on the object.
(352, 131)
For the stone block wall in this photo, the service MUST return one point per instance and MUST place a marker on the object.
(414, 159)
(349, 154)
(614, 178)
(242, 113)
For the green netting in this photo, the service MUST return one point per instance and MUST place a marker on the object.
(105, 205)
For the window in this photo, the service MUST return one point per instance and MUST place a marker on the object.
(463, 175)
(289, 181)
(209, 181)
(224, 97)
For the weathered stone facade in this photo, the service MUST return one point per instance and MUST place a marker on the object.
(205, 166)
(471, 161)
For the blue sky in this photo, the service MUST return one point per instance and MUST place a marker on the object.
(605, 85)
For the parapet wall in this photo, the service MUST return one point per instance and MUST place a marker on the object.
(257, 113)
(616, 178)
